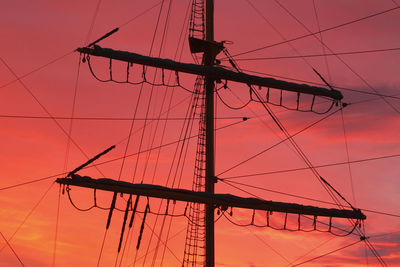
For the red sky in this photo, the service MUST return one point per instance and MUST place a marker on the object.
(35, 33)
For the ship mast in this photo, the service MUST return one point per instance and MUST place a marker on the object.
(210, 48)
(209, 57)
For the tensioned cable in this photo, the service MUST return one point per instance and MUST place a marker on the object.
(235, 67)
(107, 119)
(86, 42)
(330, 80)
(280, 142)
(69, 53)
(174, 206)
(138, 100)
(140, 14)
(335, 87)
(158, 237)
(313, 249)
(180, 156)
(348, 158)
(324, 30)
(163, 221)
(174, 157)
(277, 192)
(68, 140)
(139, 129)
(173, 236)
(317, 166)
(182, 153)
(180, 47)
(326, 254)
(332, 192)
(112, 160)
(267, 108)
(264, 242)
(96, 12)
(394, 2)
(320, 55)
(152, 139)
(268, 245)
(102, 247)
(163, 40)
(328, 186)
(384, 234)
(33, 181)
(256, 196)
(151, 98)
(365, 246)
(134, 116)
(338, 57)
(321, 38)
(396, 96)
(226, 178)
(137, 258)
(279, 33)
(72, 115)
(165, 124)
(352, 70)
(305, 198)
(28, 215)
(19, 79)
(37, 69)
(46, 111)
(56, 227)
(375, 252)
(158, 148)
(9, 245)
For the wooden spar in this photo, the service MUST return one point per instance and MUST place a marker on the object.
(216, 73)
(224, 200)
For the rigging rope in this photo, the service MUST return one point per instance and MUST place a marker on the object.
(346, 232)
(321, 39)
(328, 253)
(348, 158)
(323, 30)
(56, 227)
(144, 79)
(13, 251)
(298, 229)
(268, 98)
(303, 197)
(328, 188)
(28, 215)
(324, 54)
(71, 52)
(72, 115)
(338, 57)
(396, 96)
(96, 12)
(46, 111)
(299, 151)
(276, 144)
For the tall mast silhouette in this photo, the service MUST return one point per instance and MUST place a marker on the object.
(208, 199)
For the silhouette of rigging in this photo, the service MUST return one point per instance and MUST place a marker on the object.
(202, 200)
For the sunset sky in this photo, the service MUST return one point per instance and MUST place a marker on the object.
(47, 94)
